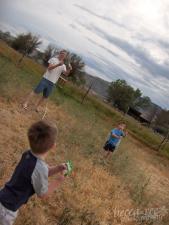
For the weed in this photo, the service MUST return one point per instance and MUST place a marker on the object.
(66, 218)
(139, 190)
(88, 218)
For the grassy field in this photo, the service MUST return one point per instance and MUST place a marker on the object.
(135, 178)
(29, 74)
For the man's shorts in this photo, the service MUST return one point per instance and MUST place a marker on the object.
(109, 147)
(7, 217)
(45, 86)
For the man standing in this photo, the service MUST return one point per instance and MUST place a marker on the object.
(55, 69)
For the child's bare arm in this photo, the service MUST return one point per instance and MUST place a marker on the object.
(57, 169)
(40, 176)
(126, 133)
(53, 186)
(116, 136)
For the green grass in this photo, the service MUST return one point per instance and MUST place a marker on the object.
(17, 81)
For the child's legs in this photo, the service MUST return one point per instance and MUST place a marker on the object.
(107, 154)
(109, 148)
(7, 217)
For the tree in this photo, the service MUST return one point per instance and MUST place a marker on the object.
(77, 73)
(6, 36)
(26, 44)
(121, 94)
(142, 102)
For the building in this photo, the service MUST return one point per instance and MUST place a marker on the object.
(145, 115)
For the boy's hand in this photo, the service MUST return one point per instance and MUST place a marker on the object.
(62, 168)
(117, 136)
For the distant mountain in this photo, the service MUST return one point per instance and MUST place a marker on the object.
(99, 86)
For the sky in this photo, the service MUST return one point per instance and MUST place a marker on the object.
(117, 39)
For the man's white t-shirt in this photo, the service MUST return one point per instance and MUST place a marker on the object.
(53, 75)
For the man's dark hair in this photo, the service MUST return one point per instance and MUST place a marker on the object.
(42, 136)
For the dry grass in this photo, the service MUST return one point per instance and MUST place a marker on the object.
(92, 191)
(135, 177)
(92, 194)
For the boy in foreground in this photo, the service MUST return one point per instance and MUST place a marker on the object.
(55, 68)
(31, 174)
(114, 139)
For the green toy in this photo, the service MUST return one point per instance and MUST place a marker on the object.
(69, 165)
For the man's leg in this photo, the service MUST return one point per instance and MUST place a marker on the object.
(42, 100)
(25, 104)
(39, 88)
(46, 93)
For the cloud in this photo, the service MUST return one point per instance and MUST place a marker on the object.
(125, 39)
(108, 19)
(139, 54)
(103, 47)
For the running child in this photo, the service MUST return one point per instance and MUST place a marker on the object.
(31, 174)
(114, 139)
(55, 69)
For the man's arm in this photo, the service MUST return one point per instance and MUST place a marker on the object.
(67, 72)
(51, 66)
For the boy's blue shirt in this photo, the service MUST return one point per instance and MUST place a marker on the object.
(113, 140)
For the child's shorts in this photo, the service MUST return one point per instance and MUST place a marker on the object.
(109, 147)
(7, 217)
(45, 86)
